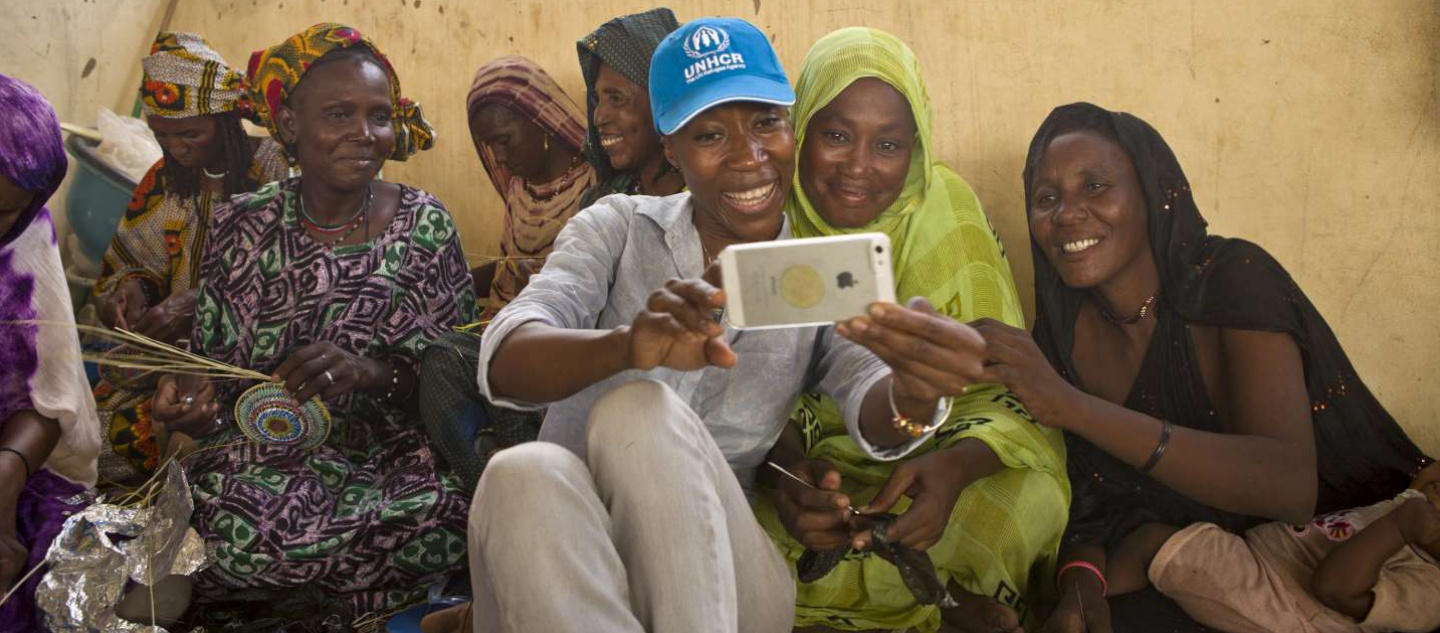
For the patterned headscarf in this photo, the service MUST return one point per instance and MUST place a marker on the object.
(184, 77)
(31, 154)
(524, 87)
(626, 44)
(276, 71)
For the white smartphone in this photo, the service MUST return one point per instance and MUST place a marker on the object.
(804, 282)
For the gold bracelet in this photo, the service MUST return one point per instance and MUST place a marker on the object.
(909, 427)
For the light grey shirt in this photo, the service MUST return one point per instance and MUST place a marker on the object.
(607, 260)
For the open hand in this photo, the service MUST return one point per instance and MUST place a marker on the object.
(1013, 359)
(677, 328)
(931, 355)
(326, 370)
(817, 517)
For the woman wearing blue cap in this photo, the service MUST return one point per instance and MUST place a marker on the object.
(644, 524)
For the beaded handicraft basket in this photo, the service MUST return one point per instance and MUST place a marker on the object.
(267, 414)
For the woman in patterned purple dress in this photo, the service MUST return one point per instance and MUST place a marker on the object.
(49, 435)
(334, 282)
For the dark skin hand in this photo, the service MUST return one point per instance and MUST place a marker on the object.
(325, 370)
(933, 482)
(818, 517)
(676, 330)
(169, 320)
(185, 404)
(1263, 467)
(907, 339)
(931, 356)
(125, 305)
(1082, 607)
(303, 374)
(33, 436)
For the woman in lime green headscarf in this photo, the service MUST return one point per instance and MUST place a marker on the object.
(863, 128)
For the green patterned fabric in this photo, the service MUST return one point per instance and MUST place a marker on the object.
(365, 519)
(1003, 527)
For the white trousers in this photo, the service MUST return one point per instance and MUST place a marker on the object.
(655, 534)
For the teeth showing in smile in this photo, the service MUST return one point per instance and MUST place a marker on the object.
(753, 195)
(608, 141)
(1080, 245)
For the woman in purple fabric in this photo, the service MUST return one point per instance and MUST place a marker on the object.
(49, 435)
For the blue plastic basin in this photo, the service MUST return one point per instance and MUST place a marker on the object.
(97, 199)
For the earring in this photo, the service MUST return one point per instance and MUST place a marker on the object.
(547, 142)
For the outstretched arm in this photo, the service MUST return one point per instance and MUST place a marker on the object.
(1263, 466)
(677, 329)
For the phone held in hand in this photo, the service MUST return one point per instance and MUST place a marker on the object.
(805, 282)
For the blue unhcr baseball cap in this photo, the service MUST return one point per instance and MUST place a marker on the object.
(711, 61)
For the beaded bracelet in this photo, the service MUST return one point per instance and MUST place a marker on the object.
(394, 382)
(1104, 587)
(1159, 449)
(909, 427)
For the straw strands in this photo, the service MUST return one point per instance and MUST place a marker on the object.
(142, 353)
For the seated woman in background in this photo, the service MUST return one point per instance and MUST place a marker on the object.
(529, 135)
(863, 127)
(49, 436)
(637, 517)
(1195, 381)
(335, 282)
(624, 146)
(193, 103)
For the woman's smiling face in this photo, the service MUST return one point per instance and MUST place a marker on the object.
(624, 121)
(856, 154)
(341, 121)
(738, 160)
(1087, 210)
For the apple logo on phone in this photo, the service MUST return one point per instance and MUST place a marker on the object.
(845, 280)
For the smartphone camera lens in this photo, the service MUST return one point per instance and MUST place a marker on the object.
(879, 249)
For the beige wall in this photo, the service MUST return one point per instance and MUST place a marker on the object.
(1310, 127)
(82, 54)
